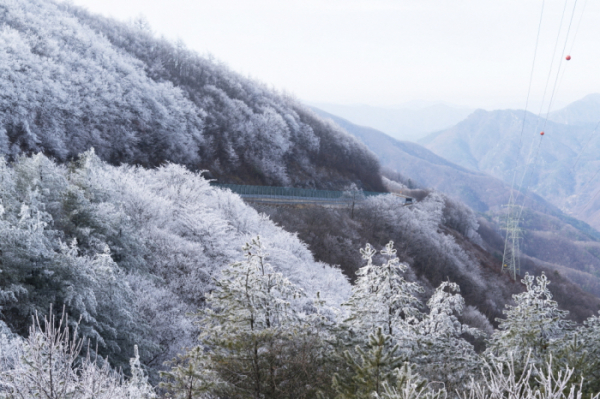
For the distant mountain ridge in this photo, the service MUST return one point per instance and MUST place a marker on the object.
(403, 123)
(553, 241)
(584, 112)
(561, 166)
(426, 169)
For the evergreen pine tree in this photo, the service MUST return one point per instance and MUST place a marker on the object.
(248, 323)
(532, 328)
(409, 385)
(382, 298)
(368, 369)
(441, 352)
(589, 339)
(189, 377)
(580, 350)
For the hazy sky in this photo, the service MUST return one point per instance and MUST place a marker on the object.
(476, 53)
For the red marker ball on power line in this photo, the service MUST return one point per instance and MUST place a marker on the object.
(568, 57)
(541, 133)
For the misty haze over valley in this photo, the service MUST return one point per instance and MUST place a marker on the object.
(410, 122)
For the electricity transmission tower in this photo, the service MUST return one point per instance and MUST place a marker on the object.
(510, 259)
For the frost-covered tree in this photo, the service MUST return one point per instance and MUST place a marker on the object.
(409, 385)
(249, 320)
(579, 350)
(382, 298)
(588, 338)
(260, 337)
(368, 369)
(461, 218)
(441, 352)
(251, 296)
(503, 379)
(49, 364)
(533, 327)
(190, 376)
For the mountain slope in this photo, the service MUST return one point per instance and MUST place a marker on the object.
(496, 141)
(134, 251)
(426, 169)
(71, 81)
(552, 240)
(131, 251)
(584, 112)
(562, 167)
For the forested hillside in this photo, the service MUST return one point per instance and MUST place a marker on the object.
(125, 274)
(72, 81)
(130, 251)
(551, 239)
(148, 258)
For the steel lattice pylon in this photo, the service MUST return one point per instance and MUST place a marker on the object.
(511, 258)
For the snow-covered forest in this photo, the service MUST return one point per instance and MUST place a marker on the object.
(72, 81)
(130, 251)
(125, 274)
(218, 301)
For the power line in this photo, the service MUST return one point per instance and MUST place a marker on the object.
(553, 58)
(510, 259)
(553, 89)
(558, 72)
(537, 41)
